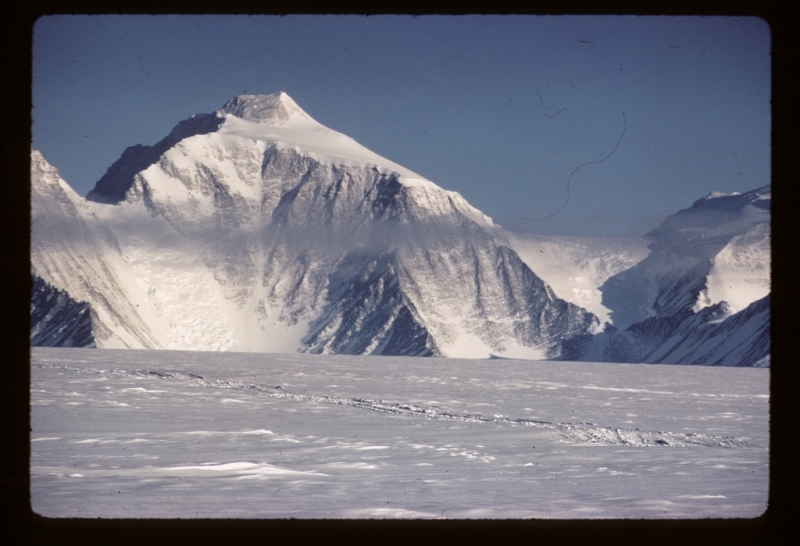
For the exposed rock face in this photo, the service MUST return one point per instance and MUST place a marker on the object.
(57, 320)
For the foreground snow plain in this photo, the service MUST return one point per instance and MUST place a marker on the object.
(179, 434)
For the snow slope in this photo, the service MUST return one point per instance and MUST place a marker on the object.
(71, 253)
(258, 229)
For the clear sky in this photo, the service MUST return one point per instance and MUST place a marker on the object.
(653, 112)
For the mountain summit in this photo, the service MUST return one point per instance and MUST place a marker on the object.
(275, 119)
(276, 109)
(255, 228)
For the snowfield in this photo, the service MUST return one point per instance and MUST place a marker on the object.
(179, 434)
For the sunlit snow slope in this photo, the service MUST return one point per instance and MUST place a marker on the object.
(258, 229)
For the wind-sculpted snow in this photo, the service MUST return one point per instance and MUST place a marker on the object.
(208, 434)
(256, 228)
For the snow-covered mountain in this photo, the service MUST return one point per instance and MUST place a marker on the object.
(258, 229)
(701, 296)
(255, 228)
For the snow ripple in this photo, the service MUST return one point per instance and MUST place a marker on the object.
(589, 433)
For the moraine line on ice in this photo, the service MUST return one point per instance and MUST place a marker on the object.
(578, 432)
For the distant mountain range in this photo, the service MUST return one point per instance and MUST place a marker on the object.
(255, 228)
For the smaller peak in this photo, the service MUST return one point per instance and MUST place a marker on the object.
(275, 109)
(733, 199)
(715, 194)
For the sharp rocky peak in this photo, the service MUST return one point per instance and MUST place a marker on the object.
(275, 109)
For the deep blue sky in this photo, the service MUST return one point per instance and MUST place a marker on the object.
(499, 108)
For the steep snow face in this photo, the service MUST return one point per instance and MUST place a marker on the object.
(381, 307)
(258, 229)
(427, 261)
(71, 253)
